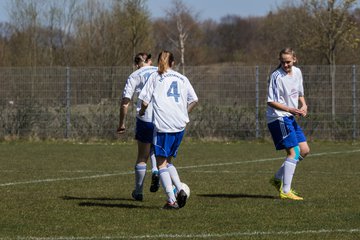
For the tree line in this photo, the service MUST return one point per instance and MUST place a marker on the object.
(110, 33)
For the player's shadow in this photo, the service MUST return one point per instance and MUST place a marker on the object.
(238, 195)
(102, 202)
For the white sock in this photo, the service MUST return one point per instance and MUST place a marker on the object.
(140, 171)
(167, 184)
(154, 168)
(174, 176)
(289, 170)
(280, 173)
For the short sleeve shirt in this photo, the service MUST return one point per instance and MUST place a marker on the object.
(285, 89)
(133, 86)
(170, 94)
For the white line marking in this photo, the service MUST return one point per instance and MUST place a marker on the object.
(64, 179)
(184, 167)
(203, 235)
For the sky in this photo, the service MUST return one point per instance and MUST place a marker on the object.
(216, 9)
(207, 9)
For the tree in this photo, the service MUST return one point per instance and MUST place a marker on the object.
(180, 23)
(331, 28)
(138, 24)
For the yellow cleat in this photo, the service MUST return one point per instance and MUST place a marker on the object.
(277, 183)
(294, 192)
(290, 195)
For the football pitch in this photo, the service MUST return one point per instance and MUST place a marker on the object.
(64, 190)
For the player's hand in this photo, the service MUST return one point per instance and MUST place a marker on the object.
(303, 110)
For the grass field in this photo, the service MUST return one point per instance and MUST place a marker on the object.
(82, 191)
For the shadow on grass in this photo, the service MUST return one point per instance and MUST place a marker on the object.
(240, 195)
(111, 205)
(91, 202)
(95, 199)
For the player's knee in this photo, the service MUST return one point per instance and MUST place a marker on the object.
(304, 152)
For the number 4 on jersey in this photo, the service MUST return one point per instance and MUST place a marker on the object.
(173, 91)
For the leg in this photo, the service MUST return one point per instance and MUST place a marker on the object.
(174, 175)
(289, 170)
(166, 180)
(304, 150)
(155, 184)
(140, 169)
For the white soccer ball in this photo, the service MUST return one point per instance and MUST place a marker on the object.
(185, 187)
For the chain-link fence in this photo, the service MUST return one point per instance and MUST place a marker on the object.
(83, 102)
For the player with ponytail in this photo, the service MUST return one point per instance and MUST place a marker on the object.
(286, 102)
(172, 97)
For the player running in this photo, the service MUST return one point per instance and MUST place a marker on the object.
(172, 97)
(144, 126)
(285, 92)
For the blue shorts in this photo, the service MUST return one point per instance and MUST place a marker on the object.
(286, 133)
(167, 144)
(144, 131)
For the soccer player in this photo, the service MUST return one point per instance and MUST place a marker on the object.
(173, 97)
(286, 102)
(144, 126)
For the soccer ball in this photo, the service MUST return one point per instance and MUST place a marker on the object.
(185, 187)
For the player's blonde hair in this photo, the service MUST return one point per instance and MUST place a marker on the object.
(165, 61)
(287, 50)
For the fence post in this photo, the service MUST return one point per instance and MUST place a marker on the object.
(257, 101)
(68, 103)
(354, 101)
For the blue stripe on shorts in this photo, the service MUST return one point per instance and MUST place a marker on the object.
(167, 144)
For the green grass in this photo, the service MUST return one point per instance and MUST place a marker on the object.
(82, 191)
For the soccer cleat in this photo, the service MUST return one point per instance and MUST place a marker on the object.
(290, 195)
(155, 182)
(277, 183)
(294, 192)
(137, 196)
(181, 198)
(171, 206)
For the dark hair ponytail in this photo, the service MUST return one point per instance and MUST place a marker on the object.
(141, 58)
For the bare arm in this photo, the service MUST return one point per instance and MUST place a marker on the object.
(123, 113)
(191, 106)
(144, 106)
(303, 107)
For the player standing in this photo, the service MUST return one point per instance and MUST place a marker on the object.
(144, 126)
(285, 92)
(172, 97)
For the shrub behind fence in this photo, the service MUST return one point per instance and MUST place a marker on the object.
(83, 102)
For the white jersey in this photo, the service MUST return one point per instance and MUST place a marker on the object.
(134, 84)
(170, 94)
(285, 89)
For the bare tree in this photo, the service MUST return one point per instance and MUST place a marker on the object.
(25, 17)
(138, 24)
(180, 22)
(60, 18)
(331, 28)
